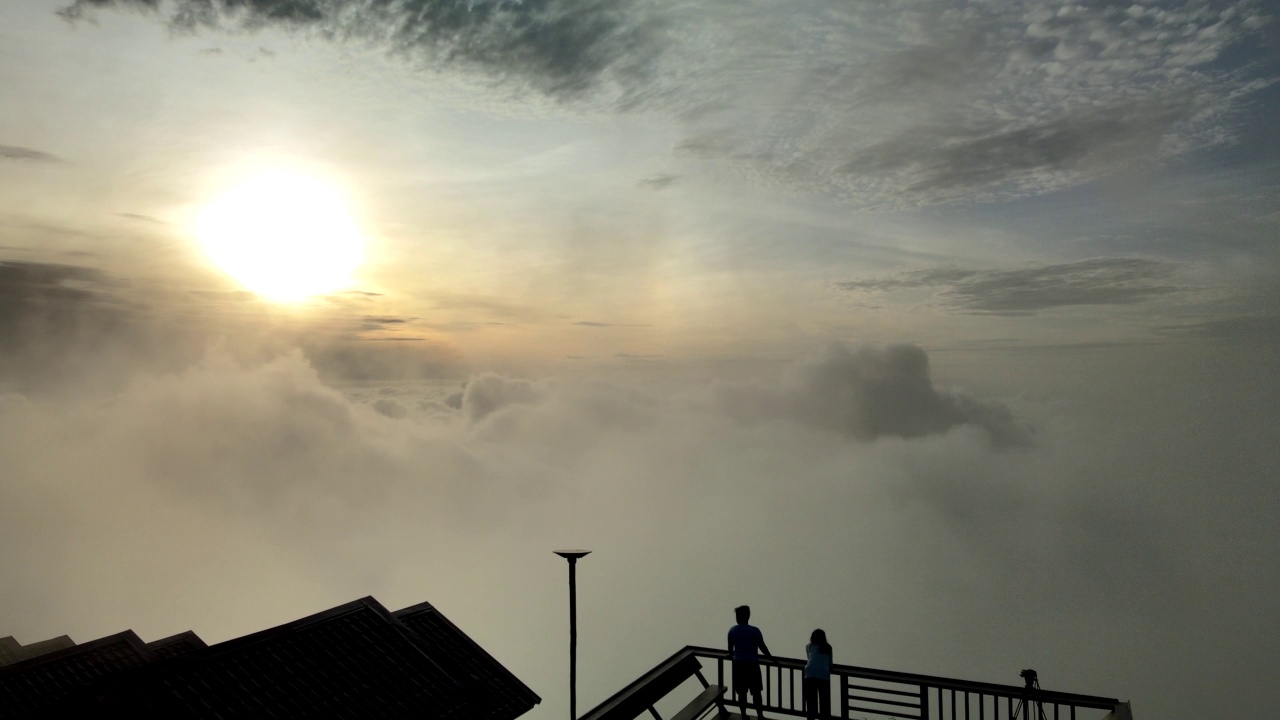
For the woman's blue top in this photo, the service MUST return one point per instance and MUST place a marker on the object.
(819, 665)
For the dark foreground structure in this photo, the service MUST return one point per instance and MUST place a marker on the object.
(679, 689)
(360, 661)
(356, 660)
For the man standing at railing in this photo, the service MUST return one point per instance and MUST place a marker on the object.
(745, 643)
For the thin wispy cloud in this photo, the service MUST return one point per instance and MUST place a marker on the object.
(1025, 291)
(597, 324)
(22, 154)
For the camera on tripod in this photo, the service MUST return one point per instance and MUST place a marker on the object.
(1029, 705)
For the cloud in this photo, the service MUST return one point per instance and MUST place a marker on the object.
(916, 103)
(390, 408)
(370, 322)
(869, 393)
(50, 313)
(229, 496)
(558, 47)
(1099, 281)
(142, 218)
(880, 103)
(1246, 327)
(595, 324)
(661, 181)
(21, 154)
(933, 165)
(61, 324)
(486, 394)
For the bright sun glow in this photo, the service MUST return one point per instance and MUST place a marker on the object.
(283, 235)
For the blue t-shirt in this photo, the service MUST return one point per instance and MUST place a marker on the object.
(819, 665)
(746, 640)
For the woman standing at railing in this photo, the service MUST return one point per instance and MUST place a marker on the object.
(817, 677)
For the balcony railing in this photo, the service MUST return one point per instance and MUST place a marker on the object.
(860, 692)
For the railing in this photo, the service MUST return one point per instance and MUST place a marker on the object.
(873, 694)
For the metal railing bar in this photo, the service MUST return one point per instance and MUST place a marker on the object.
(895, 703)
(625, 694)
(882, 712)
(884, 690)
(791, 676)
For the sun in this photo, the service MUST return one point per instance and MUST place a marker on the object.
(283, 235)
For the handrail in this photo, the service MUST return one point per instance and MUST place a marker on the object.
(647, 689)
(932, 681)
(915, 697)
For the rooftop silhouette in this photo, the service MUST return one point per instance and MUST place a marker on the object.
(356, 660)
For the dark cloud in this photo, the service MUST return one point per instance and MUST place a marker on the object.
(21, 154)
(938, 164)
(592, 323)
(378, 323)
(1099, 281)
(142, 218)
(869, 393)
(911, 279)
(390, 408)
(342, 359)
(48, 312)
(659, 182)
(560, 47)
(488, 393)
(63, 323)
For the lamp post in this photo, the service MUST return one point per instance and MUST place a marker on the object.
(572, 556)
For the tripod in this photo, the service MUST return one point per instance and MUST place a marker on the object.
(1031, 689)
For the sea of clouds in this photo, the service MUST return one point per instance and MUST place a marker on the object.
(1110, 537)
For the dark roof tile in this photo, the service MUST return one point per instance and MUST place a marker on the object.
(494, 693)
(176, 645)
(36, 686)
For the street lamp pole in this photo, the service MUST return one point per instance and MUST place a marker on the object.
(572, 556)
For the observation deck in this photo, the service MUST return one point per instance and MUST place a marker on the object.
(693, 684)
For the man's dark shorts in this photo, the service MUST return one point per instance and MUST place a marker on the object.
(746, 677)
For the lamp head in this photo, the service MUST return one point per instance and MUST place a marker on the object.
(572, 555)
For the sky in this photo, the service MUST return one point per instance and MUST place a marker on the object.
(948, 327)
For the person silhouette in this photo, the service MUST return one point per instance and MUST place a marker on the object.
(817, 677)
(745, 643)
